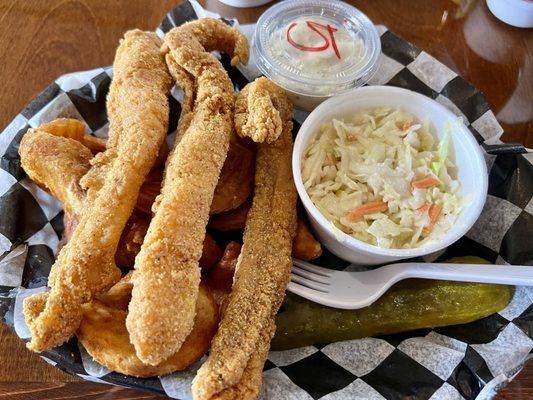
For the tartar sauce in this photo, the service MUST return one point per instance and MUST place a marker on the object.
(315, 50)
(315, 47)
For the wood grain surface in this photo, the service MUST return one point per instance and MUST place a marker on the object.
(42, 39)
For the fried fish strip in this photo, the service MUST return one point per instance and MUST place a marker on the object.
(162, 309)
(270, 112)
(219, 281)
(56, 163)
(263, 269)
(138, 113)
(252, 377)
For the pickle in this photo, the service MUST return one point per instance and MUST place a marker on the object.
(408, 305)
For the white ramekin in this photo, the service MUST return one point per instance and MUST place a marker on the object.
(517, 13)
(467, 155)
(307, 90)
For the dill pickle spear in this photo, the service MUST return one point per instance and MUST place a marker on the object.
(408, 305)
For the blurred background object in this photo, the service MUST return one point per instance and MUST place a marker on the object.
(517, 13)
(245, 3)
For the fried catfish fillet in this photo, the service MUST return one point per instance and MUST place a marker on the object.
(57, 164)
(263, 268)
(138, 113)
(167, 275)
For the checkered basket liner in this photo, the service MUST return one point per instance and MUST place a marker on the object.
(458, 362)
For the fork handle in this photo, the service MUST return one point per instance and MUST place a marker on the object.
(520, 275)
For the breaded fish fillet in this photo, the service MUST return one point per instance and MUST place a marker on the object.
(252, 377)
(56, 163)
(263, 269)
(162, 308)
(138, 113)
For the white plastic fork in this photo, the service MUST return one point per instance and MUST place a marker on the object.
(353, 290)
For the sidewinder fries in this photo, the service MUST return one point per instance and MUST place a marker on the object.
(74, 129)
(232, 220)
(236, 178)
(220, 278)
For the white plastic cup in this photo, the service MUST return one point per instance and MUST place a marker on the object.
(307, 89)
(467, 156)
(517, 13)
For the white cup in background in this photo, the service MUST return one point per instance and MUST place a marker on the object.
(517, 13)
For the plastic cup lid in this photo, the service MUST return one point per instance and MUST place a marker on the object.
(316, 48)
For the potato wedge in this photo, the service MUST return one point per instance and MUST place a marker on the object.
(236, 178)
(104, 335)
(304, 245)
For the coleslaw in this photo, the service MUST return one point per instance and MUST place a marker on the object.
(381, 177)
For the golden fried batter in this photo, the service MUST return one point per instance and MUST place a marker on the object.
(266, 125)
(263, 269)
(56, 163)
(162, 309)
(250, 384)
(138, 113)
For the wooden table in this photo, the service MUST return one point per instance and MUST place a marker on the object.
(40, 40)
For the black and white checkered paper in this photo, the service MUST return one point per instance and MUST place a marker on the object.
(457, 362)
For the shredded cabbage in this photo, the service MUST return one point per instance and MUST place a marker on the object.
(381, 177)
